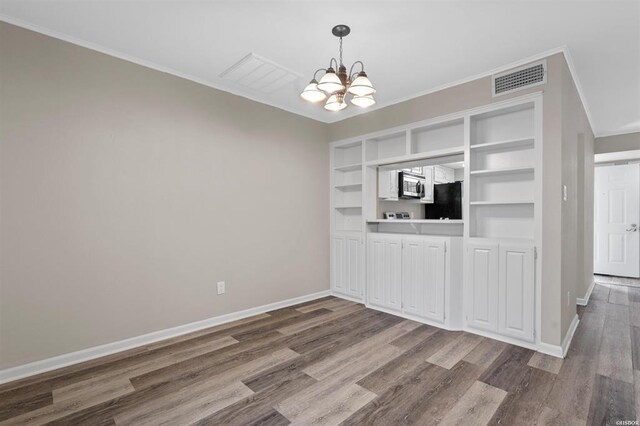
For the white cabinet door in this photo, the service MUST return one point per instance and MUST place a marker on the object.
(354, 266)
(428, 197)
(393, 273)
(384, 275)
(443, 174)
(423, 278)
(434, 283)
(375, 270)
(413, 277)
(481, 286)
(338, 243)
(516, 302)
(388, 184)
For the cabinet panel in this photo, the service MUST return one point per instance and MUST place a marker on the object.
(413, 277)
(347, 265)
(516, 291)
(338, 263)
(423, 278)
(354, 266)
(481, 286)
(375, 271)
(384, 277)
(393, 274)
(428, 196)
(434, 267)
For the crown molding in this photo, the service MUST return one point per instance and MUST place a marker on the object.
(626, 132)
(464, 80)
(148, 64)
(142, 62)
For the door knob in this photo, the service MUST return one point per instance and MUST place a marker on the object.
(634, 227)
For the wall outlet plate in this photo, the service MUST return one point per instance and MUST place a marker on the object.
(221, 287)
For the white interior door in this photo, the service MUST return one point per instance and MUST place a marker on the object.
(616, 217)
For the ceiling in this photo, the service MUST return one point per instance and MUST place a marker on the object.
(409, 48)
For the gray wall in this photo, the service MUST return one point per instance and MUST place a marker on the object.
(577, 210)
(626, 142)
(127, 193)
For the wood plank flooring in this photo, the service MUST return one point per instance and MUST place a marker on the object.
(332, 361)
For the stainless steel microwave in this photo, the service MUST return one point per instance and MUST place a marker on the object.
(410, 185)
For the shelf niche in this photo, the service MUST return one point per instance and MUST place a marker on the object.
(394, 145)
(348, 155)
(348, 219)
(508, 221)
(437, 137)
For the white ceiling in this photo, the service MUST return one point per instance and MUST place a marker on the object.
(407, 47)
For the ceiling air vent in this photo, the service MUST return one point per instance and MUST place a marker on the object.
(519, 78)
(260, 74)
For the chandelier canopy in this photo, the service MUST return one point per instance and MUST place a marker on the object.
(335, 86)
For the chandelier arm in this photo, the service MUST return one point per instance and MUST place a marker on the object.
(316, 73)
(331, 62)
(354, 64)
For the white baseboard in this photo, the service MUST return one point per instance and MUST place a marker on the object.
(545, 348)
(346, 297)
(583, 301)
(561, 351)
(42, 366)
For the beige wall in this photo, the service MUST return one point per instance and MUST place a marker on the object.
(477, 93)
(127, 193)
(122, 204)
(626, 142)
(577, 210)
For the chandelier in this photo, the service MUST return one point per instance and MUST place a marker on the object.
(334, 87)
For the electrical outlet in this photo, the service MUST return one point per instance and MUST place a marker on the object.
(221, 288)
(564, 192)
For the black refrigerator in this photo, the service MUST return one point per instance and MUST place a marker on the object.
(447, 202)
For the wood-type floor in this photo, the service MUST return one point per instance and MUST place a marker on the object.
(331, 361)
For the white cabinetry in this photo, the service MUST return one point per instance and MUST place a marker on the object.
(384, 273)
(347, 265)
(499, 289)
(443, 174)
(516, 302)
(414, 275)
(388, 184)
(481, 286)
(423, 278)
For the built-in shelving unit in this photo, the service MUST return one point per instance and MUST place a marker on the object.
(502, 172)
(346, 197)
(389, 263)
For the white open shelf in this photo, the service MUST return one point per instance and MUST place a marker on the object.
(409, 221)
(511, 144)
(496, 203)
(347, 155)
(513, 219)
(348, 219)
(436, 137)
(347, 186)
(504, 171)
(393, 145)
(348, 167)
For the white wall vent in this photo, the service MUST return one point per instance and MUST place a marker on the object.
(529, 75)
(259, 74)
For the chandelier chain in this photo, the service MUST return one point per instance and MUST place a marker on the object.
(340, 50)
